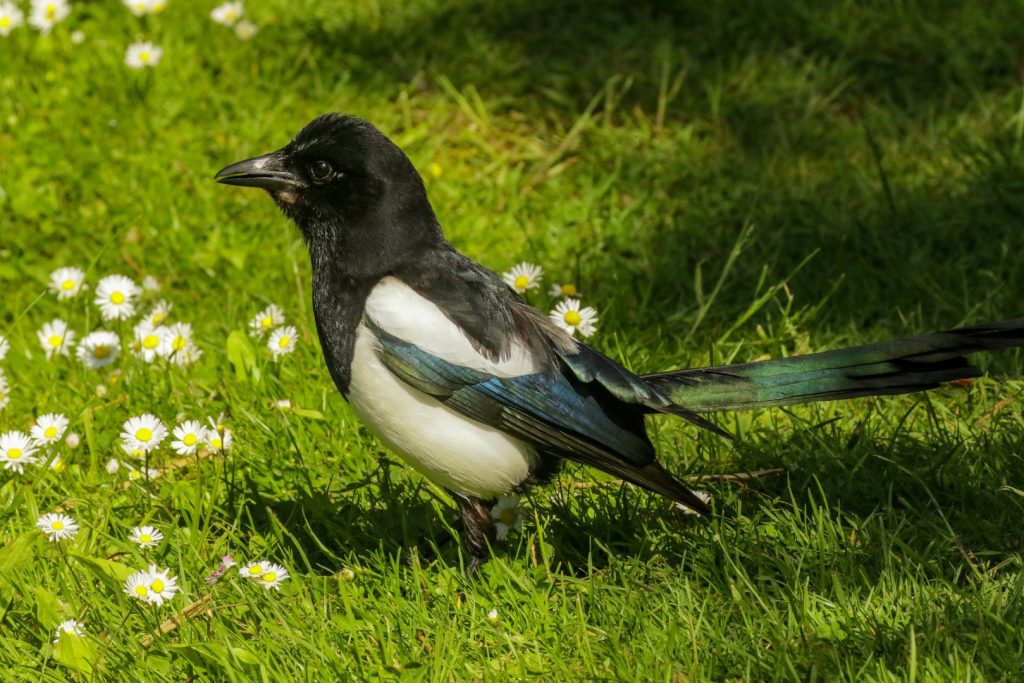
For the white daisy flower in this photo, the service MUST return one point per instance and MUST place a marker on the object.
(141, 473)
(115, 295)
(492, 617)
(162, 586)
(157, 315)
(507, 515)
(49, 429)
(228, 13)
(523, 276)
(55, 338)
(137, 585)
(282, 341)
(272, 576)
(245, 30)
(16, 451)
(146, 536)
(73, 440)
(570, 317)
(567, 289)
(143, 433)
(150, 284)
(218, 437)
(5, 346)
(113, 465)
(10, 18)
(188, 436)
(254, 570)
(266, 320)
(57, 464)
(70, 627)
(177, 345)
(98, 349)
(66, 283)
(57, 527)
(141, 55)
(157, 6)
(5, 397)
(146, 342)
(45, 14)
(139, 7)
(77, 37)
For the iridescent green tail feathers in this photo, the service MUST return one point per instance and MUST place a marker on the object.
(897, 366)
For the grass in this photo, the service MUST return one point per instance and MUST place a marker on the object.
(723, 180)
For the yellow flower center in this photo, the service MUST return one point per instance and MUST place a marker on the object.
(117, 298)
(179, 343)
(150, 341)
(522, 281)
(50, 432)
(101, 351)
(255, 570)
(157, 586)
(508, 516)
(145, 538)
(158, 317)
(57, 525)
(189, 440)
(230, 15)
(55, 340)
(134, 474)
(67, 284)
(14, 453)
(144, 57)
(572, 318)
(58, 466)
(266, 322)
(216, 443)
(569, 289)
(270, 577)
(141, 590)
(283, 342)
(5, 22)
(51, 11)
(144, 434)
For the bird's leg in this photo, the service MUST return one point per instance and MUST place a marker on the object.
(479, 531)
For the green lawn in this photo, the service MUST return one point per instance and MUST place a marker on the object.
(724, 181)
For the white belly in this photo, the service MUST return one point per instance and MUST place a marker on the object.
(450, 450)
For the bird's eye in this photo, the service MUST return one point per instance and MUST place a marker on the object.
(320, 171)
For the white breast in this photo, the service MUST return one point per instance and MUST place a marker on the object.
(451, 450)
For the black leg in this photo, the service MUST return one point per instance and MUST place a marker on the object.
(479, 532)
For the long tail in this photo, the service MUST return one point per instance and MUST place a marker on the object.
(897, 366)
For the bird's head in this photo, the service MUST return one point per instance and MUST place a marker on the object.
(353, 193)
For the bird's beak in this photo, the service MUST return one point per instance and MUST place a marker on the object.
(267, 172)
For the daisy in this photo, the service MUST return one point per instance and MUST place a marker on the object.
(246, 30)
(568, 289)
(523, 276)
(157, 6)
(46, 13)
(113, 465)
(66, 283)
(228, 13)
(158, 313)
(141, 55)
(98, 349)
(146, 536)
(143, 433)
(77, 37)
(73, 440)
(177, 344)
(254, 570)
(115, 295)
(16, 451)
(188, 435)
(282, 341)
(162, 586)
(137, 585)
(5, 346)
(57, 527)
(10, 18)
(144, 473)
(150, 284)
(492, 617)
(507, 515)
(56, 338)
(49, 429)
(272, 576)
(147, 339)
(4, 396)
(139, 7)
(570, 317)
(57, 464)
(71, 627)
(218, 437)
(266, 320)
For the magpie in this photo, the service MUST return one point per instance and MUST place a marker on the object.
(479, 391)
